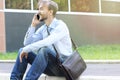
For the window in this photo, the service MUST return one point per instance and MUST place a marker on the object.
(63, 4)
(18, 4)
(106, 6)
(110, 6)
(35, 4)
(85, 5)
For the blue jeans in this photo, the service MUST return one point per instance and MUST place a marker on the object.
(43, 62)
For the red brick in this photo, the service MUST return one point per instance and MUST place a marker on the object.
(1, 4)
(2, 44)
(2, 33)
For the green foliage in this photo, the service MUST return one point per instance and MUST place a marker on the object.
(35, 4)
(8, 56)
(63, 4)
(18, 4)
(103, 52)
(88, 52)
(85, 5)
(26, 4)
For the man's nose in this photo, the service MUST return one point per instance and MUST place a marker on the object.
(40, 12)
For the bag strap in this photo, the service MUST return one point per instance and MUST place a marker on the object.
(57, 58)
(73, 43)
(57, 54)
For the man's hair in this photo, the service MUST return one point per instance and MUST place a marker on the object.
(51, 5)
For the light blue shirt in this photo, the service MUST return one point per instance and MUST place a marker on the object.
(59, 36)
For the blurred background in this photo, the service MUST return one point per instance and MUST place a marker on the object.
(91, 22)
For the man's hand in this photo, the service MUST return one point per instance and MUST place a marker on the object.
(23, 54)
(35, 21)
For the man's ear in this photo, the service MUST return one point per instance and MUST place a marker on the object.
(51, 12)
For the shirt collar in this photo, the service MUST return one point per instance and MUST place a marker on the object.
(52, 23)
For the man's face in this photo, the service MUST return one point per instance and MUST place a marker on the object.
(43, 11)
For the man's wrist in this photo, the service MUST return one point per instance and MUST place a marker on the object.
(26, 49)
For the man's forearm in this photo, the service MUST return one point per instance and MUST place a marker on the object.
(28, 36)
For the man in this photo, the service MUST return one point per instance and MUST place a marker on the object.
(39, 50)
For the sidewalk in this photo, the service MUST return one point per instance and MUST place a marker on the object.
(6, 76)
(96, 70)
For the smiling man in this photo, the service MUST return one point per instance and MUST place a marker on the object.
(38, 47)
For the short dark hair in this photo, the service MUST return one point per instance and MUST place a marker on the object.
(51, 5)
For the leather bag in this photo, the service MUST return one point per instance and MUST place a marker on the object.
(73, 66)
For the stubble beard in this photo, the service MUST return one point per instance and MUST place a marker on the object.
(43, 19)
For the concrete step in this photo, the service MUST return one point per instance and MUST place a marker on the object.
(96, 70)
(6, 76)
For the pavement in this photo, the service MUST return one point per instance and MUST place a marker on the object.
(96, 70)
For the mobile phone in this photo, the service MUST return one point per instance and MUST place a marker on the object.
(38, 17)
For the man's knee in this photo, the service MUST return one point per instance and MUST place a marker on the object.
(44, 51)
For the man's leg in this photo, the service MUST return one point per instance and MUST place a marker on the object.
(20, 68)
(39, 64)
(53, 68)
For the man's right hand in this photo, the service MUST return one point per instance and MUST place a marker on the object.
(23, 54)
(35, 21)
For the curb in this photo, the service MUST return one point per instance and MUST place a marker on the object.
(6, 76)
(100, 78)
(103, 61)
(7, 61)
(87, 61)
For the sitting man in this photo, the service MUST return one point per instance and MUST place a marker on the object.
(38, 47)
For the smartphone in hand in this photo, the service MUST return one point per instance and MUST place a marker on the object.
(38, 17)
